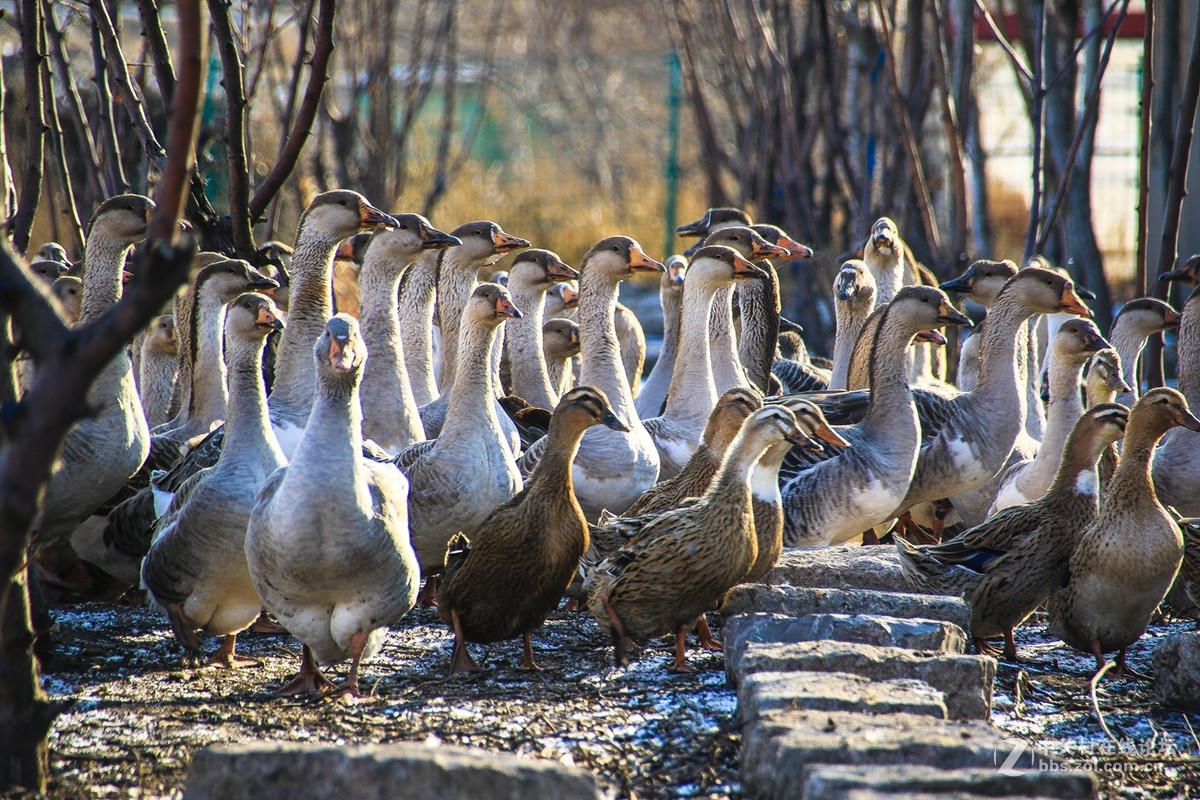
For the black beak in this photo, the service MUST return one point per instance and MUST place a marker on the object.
(959, 284)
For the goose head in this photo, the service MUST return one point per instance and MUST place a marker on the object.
(675, 267)
(340, 351)
(811, 420)
(489, 305)
(1045, 291)
(398, 245)
(122, 219)
(713, 219)
(1145, 316)
(338, 214)
(855, 285)
(1104, 373)
(1164, 408)
(560, 339)
(717, 265)
(484, 242)
(731, 410)
(539, 270)
(229, 278)
(589, 406)
(47, 271)
(160, 337)
(775, 235)
(885, 237)
(616, 258)
(982, 281)
(53, 251)
(68, 290)
(1104, 423)
(923, 309)
(561, 298)
(747, 242)
(1188, 274)
(252, 315)
(1077, 340)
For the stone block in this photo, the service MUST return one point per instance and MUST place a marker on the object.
(840, 567)
(835, 782)
(1177, 671)
(758, 597)
(768, 692)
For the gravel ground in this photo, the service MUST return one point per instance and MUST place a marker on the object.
(137, 713)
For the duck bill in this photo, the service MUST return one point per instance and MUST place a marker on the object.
(505, 308)
(930, 336)
(371, 217)
(1072, 304)
(788, 326)
(612, 421)
(1188, 421)
(505, 242)
(830, 436)
(960, 284)
(697, 228)
(570, 297)
(433, 239)
(743, 269)
(799, 438)
(795, 250)
(1118, 384)
(951, 316)
(768, 250)
(640, 262)
(561, 272)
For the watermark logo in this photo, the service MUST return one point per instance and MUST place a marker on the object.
(1124, 755)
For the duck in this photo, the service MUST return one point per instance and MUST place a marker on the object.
(1126, 560)
(327, 543)
(390, 414)
(158, 367)
(854, 300)
(760, 307)
(196, 567)
(460, 477)
(1008, 565)
(982, 426)
(685, 560)
(693, 394)
(560, 344)
(531, 274)
(1075, 341)
(1176, 467)
(653, 396)
(483, 243)
(612, 469)
(511, 573)
(858, 488)
(1135, 323)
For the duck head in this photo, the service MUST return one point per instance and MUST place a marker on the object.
(1164, 408)
(1076, 340)
(560, 337)
(811, 420)
(1045, 291)
(592, 405)
(489, 305)
(1105, 369)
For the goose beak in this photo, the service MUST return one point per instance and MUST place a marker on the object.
(505, 308)
(1188, 273)
(786, 325)
(570, 297)
(371, 217)
(640, 262)
(433, 239)
(949, 315)
(930, 336)
(1084, 292)
(794, 249)
(830, 436)
(1094, 342)
(261, 282)
(268, 320)
(883, 242)
(341, 355)
(847, 287)
(745, 269)
(960, 284)
(561, 272)
(611, 420)
(768, 250)
(697, 228)
(675, 270)
(1171, 318)
(1072, 304)
(505, 242)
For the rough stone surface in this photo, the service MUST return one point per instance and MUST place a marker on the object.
(292, 771)
(966, 681)
(915, 634)
(757, 597)
(777, 749)
(768, 692)
(840, 567)
(833, 782)
(1176, 671)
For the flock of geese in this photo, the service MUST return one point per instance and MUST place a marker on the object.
(492, 437)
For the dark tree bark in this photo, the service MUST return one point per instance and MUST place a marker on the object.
(236, 143)
(156, 42)
(35, 125)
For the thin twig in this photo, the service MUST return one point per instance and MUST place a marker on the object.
(156, 41)
(1017, 63)
(127, 91)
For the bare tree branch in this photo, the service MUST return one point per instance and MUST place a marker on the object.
(35, 125)
(77, 115)
(127, 91)
(117, 183)
(1177, 188)
(1005, 45)
(156, 41)
(235, 127)
(55, 136)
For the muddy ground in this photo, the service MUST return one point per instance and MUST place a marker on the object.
(138, 714)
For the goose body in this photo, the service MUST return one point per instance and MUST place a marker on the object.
(532, 273)
(157, 369)
(1176, 465)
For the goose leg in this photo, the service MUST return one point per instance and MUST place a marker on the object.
(225, 655)
(358, 643)
(620, 640)
(1123, 668)
(985, 648)
(309, 680)
(1098, 653)
(704, 634)
(184, 630)
(527, 661)
(1010, 645)
(681, 664)
(869, 538)
(461, 660)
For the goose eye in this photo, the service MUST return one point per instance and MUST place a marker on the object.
(479, 233)
(341, 202)
(616, 249)
(1049, 282)
(403, 227)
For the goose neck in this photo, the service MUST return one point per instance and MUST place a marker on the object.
(418, 290)
(105, 261)
(693, 392)
(527, 361)
(889, 371)
(1189, 352)
(209, 398)
(600, 353)
(310, 305)
(248, 428)
(456, 279)
(1128, 343)
(470, 405)
(850, 322)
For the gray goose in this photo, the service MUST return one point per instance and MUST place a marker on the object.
(761, 306)
(653, 396)
(1135, 323)
(1177, 462)
(158, 367)
(532, 274)
(560, 344)
(854, 300)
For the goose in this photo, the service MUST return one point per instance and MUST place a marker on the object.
(612, 469)
(1176, 465)
(47, 270)
(685, 560)
(795, 369)
(560, 343)
(483, 243)
(196, 568)
(854, 300)
(159, 364)
(103, 450)
(1136, 322)
(839, 498)
(532, 273)
(760, 307)
(390, 415)
(1007, 566)
(417, 300)
(981, 426)
(632, 341)
(457, 479)
(1074, 343)
(1126, 560)
(693, 394)
(653, 396)
(513, 571)
(68, 290)
(561, 300)
(327, 544)
(884, 254)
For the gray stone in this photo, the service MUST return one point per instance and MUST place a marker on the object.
(758, 597)
(1177, 671)
(779, 748)
(915, 634)
(295, 771)
(834, 782)
(966, 681)
(840, 567)
(768, 692)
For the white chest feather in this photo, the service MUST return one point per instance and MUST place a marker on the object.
(1085, 483)
(288, 435)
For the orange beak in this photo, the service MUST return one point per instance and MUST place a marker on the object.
(1072, 304)
(830, 436)
(794, 249)
(341, 355)
(640, 262)
(505, 308)
(768, 250)
(505, 242)
(570, 297)
(371, 217)
(930, 336)
(266, 319)
(745, 269)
